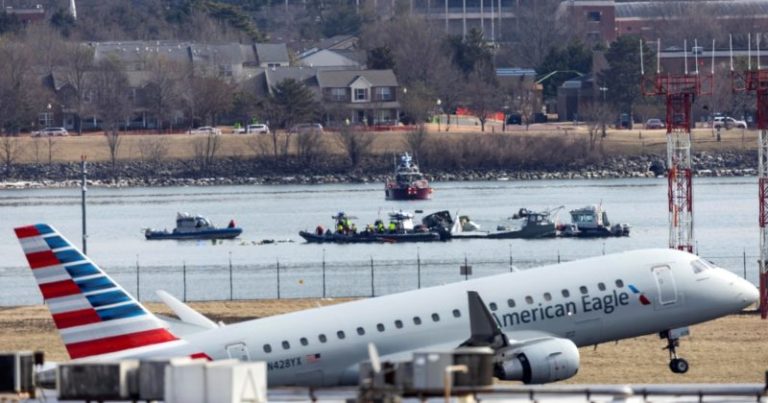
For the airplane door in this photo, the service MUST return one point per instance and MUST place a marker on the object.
(238, 351)
(665, 285)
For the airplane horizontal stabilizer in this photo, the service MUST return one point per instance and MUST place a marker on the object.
(185, 313)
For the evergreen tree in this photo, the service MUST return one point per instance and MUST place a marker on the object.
(381, 58)
(292, 102)
(622, 77)
(471, 52)
(571, 61)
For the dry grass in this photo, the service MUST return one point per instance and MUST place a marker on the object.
(726, 350)
(181, 146)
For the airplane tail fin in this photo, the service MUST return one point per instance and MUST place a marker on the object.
(93, 314)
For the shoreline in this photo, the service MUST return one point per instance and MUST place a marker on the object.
(238, 171)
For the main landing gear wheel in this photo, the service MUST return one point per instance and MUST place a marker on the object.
(676, 364)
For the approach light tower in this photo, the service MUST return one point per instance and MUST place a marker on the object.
(756, 81)
(680, 91)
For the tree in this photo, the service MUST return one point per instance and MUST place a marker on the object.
(205, 97)
(471, 53)
(21, 92)
(380, 58)
(9, 23)
(112, 103)
(483, 98)
(78, 61)
(623, 72)
(293, 102)
(536, 28)
(597, 115)
(205, 150)
(63, 21)
(356, 143)
(10, 149)
(561, 64)
(162, 93)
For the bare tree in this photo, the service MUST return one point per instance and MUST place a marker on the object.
(597, 117)
(52, 146)
(417, 141)
(483, 98)
(205, 150)
(10, 150)
(537, 27)
(162, 92)
(77, 62)
(112, 103)
(206, 97)
(356, 143)
(309, 146)
(21, 93)
(153, 148)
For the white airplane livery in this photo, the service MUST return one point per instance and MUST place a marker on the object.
(533, 319)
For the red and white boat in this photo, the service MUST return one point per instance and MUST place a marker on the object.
(409, 183)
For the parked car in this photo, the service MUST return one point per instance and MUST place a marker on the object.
(654, 123)
(255, 128)
(728, 123)
(51, 131)
(205, 130)
(302, 128)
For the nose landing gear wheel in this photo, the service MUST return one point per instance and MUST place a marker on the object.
(678, 365)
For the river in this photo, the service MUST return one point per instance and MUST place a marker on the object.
(725, 213)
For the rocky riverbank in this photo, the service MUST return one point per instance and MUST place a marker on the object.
(239, 171)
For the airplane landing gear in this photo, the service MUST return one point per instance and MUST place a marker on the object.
(676, 364)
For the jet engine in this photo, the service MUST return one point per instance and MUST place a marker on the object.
(539, 361)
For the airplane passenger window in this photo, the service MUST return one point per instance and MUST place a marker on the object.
(619, 284)
(416, 320)
(380, 327)
(547, 296)
(399, 324)
(435, 317)
(566, 293)
(601, 286)
(303, 341)
(493, 306)
(511, 303)
(286, 345)
(340, 334)
(360, 331)
(583, 289)
(529, 299)
(322, 338)
(267, 348)
(456, 313)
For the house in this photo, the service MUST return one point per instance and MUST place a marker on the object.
(367, 97)
(271, 55)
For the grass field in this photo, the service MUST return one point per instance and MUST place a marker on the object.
(730, 349)
(182, 146)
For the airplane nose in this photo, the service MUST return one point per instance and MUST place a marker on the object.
(747, 292)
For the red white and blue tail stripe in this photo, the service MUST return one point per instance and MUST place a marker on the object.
(93, 314)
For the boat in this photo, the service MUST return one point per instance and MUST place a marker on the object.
(194, 227)
(528, 224)
(461, 227)
(409, 183)
(401, 228)
(592, 222)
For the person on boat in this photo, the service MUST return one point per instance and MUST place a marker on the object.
(380, 226)
(353, 228)
(231, 224)
(319, 230)
(369, 229)
(340, 228)
(392, 227)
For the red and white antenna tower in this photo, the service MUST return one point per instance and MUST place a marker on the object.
(680, 91)
(756, 80)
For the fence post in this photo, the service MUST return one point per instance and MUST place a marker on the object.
(418, 268)
(558, 256)
(231, 293)
(373, 292)
(278, 278)
(511, 261)
(184, 276)
(466, 270)
(323, 272)
(138, 289)
(744, 254)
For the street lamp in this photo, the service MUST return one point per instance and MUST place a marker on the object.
(439, 112)
(603, 90)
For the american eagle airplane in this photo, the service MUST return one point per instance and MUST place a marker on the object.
(533, 319)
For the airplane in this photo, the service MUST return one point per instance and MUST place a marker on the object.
(534, 320)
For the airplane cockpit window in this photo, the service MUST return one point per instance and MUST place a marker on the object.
(435, 317)
(547, 296)
(303, 341)
(583, 289)
(322, 338)
(619, 284)
(511, 303)
(380, 327)
(529, 299)
(493, 306)
(286, 345)
(340, 334)
(456, 313)
(566, 293)
(360, 331)
(601, 286)
(267, 348)
(399, 324)
(701, 265)
(416, 320)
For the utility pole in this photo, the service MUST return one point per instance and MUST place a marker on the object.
(84, 189)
